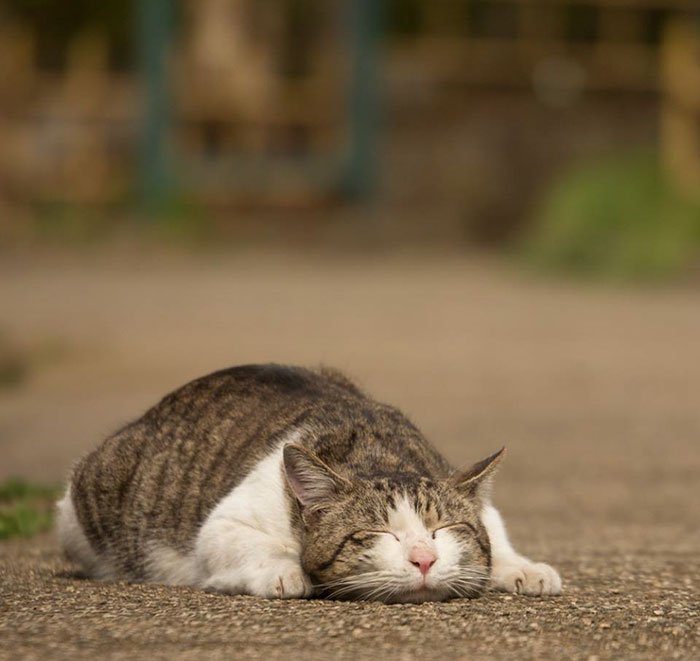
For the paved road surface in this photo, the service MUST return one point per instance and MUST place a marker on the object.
(595, 391)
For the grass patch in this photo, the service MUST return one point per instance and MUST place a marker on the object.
(25, 508)
(616, 219)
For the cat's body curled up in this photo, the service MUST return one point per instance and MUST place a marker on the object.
(282, 482)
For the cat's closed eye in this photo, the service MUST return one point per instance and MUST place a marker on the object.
(448, 526)
(379, 532)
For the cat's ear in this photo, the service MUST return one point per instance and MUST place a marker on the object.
(311, 481)
(477, 479)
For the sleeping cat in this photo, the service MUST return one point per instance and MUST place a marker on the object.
(285, 482)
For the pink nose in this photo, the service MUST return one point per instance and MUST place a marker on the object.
(422, 558)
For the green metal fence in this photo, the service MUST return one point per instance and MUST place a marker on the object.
(347, 168)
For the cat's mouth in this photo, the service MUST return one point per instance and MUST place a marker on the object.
(388, 588)
(437, 591)
(410, 595)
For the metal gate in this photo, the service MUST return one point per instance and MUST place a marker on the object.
(273, 100)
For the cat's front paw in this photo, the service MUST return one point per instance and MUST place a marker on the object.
(285, 581)
(278, 580)
(522, 576)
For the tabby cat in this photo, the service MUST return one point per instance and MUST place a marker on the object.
(286, 482)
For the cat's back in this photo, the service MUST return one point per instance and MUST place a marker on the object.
(161, 475)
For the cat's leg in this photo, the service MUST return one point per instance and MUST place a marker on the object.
(510, 571)
(236, 558)
(247, 545)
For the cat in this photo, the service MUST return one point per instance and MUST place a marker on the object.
(283, 482)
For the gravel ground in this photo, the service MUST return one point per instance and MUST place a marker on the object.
(616, 605)
(595, 392)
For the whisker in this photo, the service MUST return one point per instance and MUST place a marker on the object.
(383, 593)
(365, 576)
(382, 585)
(389, 587)
(357, 583)
(466, 587)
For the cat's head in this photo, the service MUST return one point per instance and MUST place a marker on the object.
(397, 538)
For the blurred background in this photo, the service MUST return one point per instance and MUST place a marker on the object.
(487, 211)
(470, 121)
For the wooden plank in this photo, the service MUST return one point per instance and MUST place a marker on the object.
(680, 114)
(510, 62)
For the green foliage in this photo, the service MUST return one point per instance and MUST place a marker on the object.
(25, 509)
(69, 224)
(617, 219)
(21, 520)
(15, 489)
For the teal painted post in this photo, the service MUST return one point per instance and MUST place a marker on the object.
(154, 32)
(359, 177)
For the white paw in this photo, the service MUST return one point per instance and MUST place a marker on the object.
(278, 580)
(283, 581)
(522, 576)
